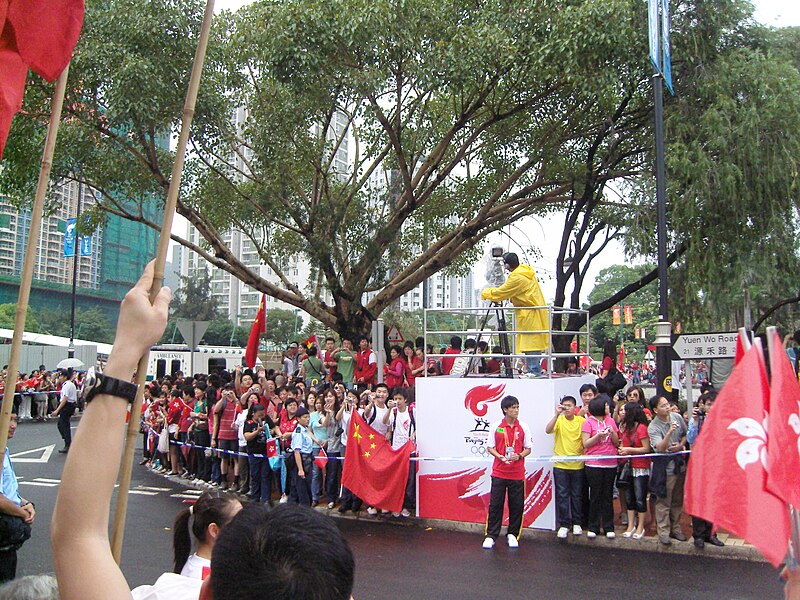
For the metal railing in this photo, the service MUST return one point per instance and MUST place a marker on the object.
(490, 330)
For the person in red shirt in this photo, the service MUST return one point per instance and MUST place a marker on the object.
(174, 412)
(455, 348)
(511, 443)
(226, 436)
(328, 357)
(366, 365)
(394, 371)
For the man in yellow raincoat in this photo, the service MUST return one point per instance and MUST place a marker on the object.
(522, 288)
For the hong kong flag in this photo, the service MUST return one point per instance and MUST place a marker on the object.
(726, 480)
(783, 465)
(374, 471)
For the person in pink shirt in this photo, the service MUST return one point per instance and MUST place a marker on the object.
(601, 438)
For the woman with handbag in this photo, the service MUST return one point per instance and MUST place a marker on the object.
(635, 440)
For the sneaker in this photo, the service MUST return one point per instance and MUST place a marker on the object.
(488, 543)
(330, 505)
(396, 515)
(664, 539)
(562, 533)
(214, 484)
(405, 512)
(576, 530)
(591, 535)
(372, 511)
(385, 512)
(512, 541)
(610, 535)
(284, 499)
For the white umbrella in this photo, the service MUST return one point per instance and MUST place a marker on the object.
(70, 363)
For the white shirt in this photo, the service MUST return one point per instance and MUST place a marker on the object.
(69, 391)
(194, 566)
(402, 428)
(238, 422)
(378, 424)
(169, 586)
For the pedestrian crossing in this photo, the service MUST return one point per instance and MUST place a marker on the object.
(139, 490)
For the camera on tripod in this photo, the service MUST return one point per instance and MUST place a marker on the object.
(495, 274)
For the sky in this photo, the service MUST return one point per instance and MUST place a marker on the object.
(545, 233)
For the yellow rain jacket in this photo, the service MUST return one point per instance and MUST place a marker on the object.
(523, 290)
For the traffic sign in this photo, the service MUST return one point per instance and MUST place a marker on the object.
(699, 346)
(394, 335)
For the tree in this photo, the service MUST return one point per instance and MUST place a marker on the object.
(643, 301)
(194, 300)
(463, 117)
(280, 326)
(223, 332)
(8, 315)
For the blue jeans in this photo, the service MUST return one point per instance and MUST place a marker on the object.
(569, 496)
(636, 494)
(534, 363)
(260, 478)
(316, 479)
(333, 471)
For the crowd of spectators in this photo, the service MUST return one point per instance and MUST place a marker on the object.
(625, 433)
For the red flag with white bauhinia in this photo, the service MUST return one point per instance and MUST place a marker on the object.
(373, 470)
(726, 480)
(39, 34)
(783, 464)
(259, 327)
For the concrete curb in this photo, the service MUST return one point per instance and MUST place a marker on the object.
(646, 544)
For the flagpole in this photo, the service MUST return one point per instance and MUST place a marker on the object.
(132, 435)
(30, 256)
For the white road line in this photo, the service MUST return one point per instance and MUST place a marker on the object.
(152, 489)
(143, 493)
(187, 496)
(193, 491)
(46, 452)
(45, 480)
(40, 484)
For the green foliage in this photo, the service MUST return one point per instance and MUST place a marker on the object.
(194, 301)
(280, 326)
(8, 315)
(645, 309)
(222, 332)
(90, 324)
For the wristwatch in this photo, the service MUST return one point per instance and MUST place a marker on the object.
(95, 383)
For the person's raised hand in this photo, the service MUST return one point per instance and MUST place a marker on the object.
(141, 323)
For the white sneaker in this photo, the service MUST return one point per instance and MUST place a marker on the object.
(372, 511)
(405, 512)
(488, 543)
(284, 499)
(591, 535)
(385, 512)
(562, 533)
(396, 515)
(512, 541)
(610, 535)
(576, 530)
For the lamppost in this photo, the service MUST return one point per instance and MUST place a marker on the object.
(71, 347)
(296, 314)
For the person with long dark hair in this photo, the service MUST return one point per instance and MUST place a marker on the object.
(208, 516)
(635, 440)
(609, 358)
(601, 437)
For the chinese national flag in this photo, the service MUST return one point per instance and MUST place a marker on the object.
(259, 327)
(39, 34)
(373, 471)
(783, 464)
(726, 480)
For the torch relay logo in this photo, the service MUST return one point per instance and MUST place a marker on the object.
(478, 397)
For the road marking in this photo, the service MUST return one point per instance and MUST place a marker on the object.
(45, 480)
(39, 483)
(193, 491)
(46, 451)
(152, 489)
(143, 493)
(187, 496)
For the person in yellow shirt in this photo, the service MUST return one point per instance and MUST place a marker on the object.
(568, 476)
(522, 288)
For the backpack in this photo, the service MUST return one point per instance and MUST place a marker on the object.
(412, 426)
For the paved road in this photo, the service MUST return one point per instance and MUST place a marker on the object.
(405, 561)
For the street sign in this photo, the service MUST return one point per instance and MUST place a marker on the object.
(192, 332)
(394, 335)
(699, 346)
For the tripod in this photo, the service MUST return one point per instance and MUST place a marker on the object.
(505, 347)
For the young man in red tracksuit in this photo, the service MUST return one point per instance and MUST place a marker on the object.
(511, 443)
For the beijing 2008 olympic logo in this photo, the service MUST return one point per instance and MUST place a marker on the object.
(476, 401)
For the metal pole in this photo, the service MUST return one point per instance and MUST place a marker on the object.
(663, 366)
(71, 347)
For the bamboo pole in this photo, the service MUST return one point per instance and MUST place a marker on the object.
(132, 435)
(30, 256)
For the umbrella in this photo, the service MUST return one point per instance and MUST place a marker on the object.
(70, 363)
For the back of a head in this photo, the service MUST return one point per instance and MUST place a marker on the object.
(264, 555)
(597, 405)
(30, 587)
(511, 260)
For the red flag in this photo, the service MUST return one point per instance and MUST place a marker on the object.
(725, 483)
(312, 341)
(39, 34)
(783, 464)
(742, 345)
(621, 366)
(322, 459)
(259, 327)
(373, 471)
